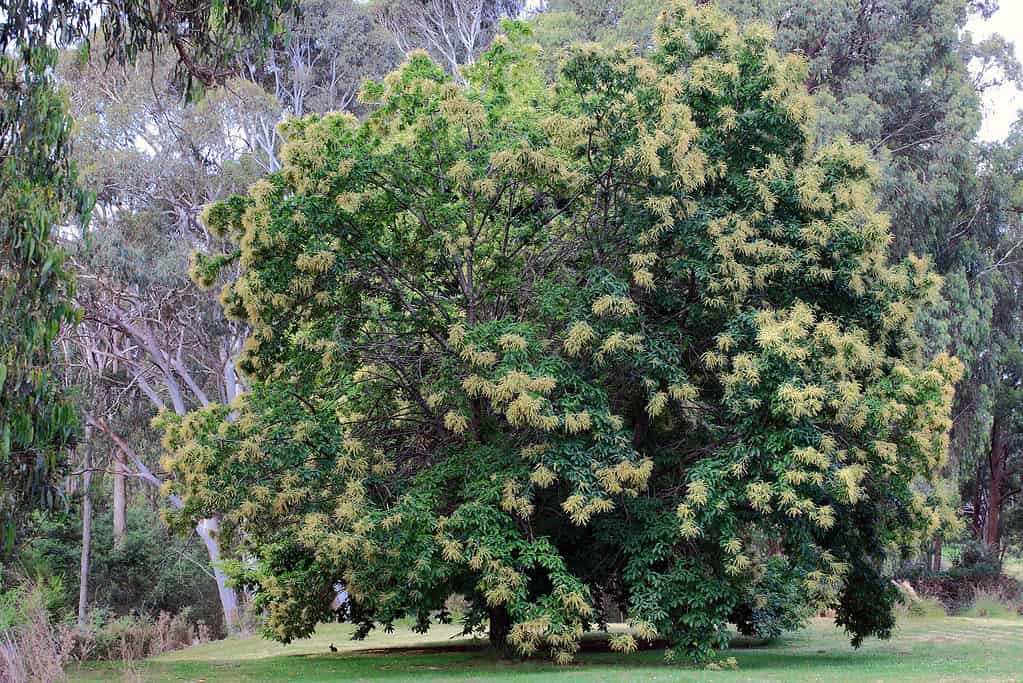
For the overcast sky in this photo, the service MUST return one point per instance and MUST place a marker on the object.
(1000, 107)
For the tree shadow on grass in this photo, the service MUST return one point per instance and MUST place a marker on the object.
(470, 659)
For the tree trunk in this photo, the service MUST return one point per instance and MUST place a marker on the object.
(208, 529)
(937, 553)
(83, 577)
(120, 498)
(500, 626)
(996, 483)
(977, 519)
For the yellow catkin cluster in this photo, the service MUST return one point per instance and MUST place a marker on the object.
(626, 477)
(580, 509)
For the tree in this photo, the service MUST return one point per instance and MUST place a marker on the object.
(990, 478)
(624, 337)
(327, 53)
(454, 31)
(149, 340)
(37, 193)
(905, 78)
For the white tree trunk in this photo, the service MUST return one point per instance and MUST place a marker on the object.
(120, 498)
(208, 530)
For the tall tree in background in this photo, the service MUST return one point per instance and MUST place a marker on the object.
(628, 336)
(455, 32)
(327, 54)
(150, 340)
(993, 276)
(39, 195)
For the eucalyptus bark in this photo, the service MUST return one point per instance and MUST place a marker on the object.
(120, 503)
(208, 530)
(83, 577)
(996, 483)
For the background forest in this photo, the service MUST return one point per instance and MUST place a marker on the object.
(905, 78)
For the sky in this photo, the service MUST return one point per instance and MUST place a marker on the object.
(1002, 104)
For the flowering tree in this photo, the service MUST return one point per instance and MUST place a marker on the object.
(626, 337)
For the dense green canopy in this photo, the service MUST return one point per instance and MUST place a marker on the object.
(628, 337)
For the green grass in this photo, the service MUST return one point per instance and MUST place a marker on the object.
(945, 649)
(1013, 566)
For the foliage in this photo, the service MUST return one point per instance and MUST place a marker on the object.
(924, 608)
(138, 636)
(37, 194)
(779, 606)
(626, 333)
(454, 32)
(326, 55)
(33, 645)
(204, 35)
(150, 571)
(990, 605)
(905, 78)
(976, 557)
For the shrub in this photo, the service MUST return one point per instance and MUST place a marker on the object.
(989, 604)
(32, 646)
(150, 571)
(138, 636)
(915, 606)
(976, 559)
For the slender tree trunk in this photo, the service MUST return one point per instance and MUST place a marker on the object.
(120, 497)
(83, 577)
(977, 520)
(996, 482)
(208, 530)
(937, 553)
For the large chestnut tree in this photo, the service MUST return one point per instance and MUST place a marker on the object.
(626, 337)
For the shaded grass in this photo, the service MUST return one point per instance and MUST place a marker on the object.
(947, 649)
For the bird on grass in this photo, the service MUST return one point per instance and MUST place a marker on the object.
(332, 648)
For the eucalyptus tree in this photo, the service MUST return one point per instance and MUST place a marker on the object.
(326, 55)
(149, 338)
(455, 32)
(39, 193)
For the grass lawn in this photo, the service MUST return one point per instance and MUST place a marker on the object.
(945, 649)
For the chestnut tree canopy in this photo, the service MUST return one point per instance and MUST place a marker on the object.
(628, 337)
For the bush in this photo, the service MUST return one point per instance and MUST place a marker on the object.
(32, 646)
(977, 559)
(136, 637)
(149, 572)
(989, 604)
(915, 606)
